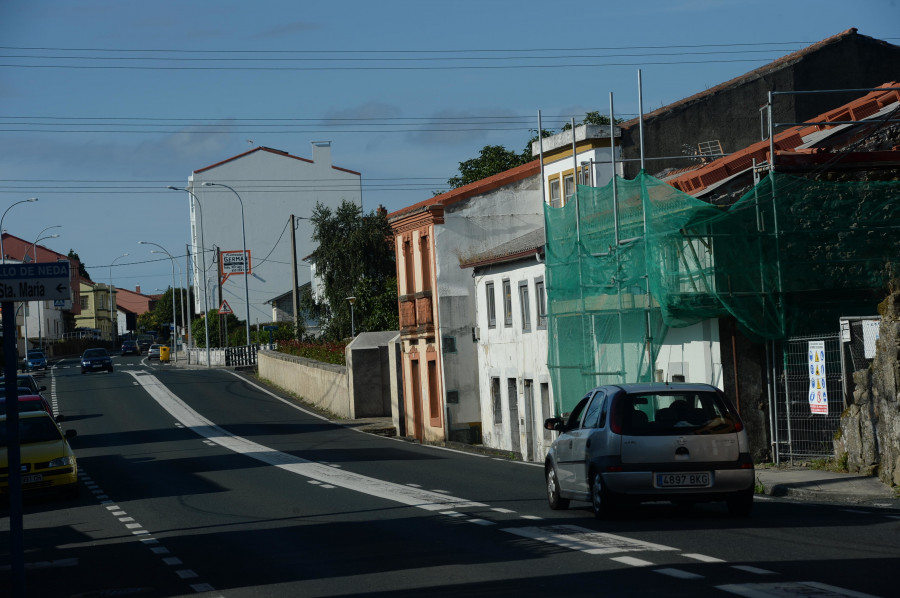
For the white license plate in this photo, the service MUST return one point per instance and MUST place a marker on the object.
(693, 479)
(31, 479)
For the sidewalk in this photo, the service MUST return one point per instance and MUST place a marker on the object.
(826, 486)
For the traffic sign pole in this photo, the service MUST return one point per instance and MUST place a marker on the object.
(13, 453)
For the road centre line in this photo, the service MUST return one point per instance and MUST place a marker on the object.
(423, 499)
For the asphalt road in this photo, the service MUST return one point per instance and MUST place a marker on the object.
(203, 482)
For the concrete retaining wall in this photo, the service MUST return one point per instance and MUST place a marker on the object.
(322, 384)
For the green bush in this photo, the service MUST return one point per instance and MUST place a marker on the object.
(325, 351)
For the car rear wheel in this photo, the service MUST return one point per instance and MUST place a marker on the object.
(556, 501)
(741, 503)
(601, 501)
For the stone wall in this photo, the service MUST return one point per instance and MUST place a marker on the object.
(322, 384)
(869, 437)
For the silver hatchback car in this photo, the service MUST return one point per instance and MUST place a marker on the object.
(634, 443)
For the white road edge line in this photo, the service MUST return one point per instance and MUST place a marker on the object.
(423, 499)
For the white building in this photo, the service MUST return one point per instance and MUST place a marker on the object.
(268, 186)
(511, 337)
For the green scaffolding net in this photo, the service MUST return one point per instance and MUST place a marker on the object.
(788, 258)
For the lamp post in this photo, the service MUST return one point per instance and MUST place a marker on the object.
(112, 304)
(181, 300)
(25, 303)
(352, 300)
(246, 261)
(174, 324)
(2, 254)
(203, 260)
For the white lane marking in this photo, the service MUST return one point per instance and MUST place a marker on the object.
(630, 560)
(586, 540)
(703, 558)
(678, 573)
(856, 511)
(502, 510)
(533, 517)
(484, 522)
(403, 494)
(807, 589)
(755, 570)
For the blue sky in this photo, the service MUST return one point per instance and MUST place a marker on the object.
(106, 103)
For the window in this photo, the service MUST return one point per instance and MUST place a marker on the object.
(555, 197)
(593, 417)
(448, 344)
(491, 305)
(569, 184)
(507, 303)
(541, 299)
(496, 400)
(426, 262)
(84, 301)
(525, 306)
(584, 175)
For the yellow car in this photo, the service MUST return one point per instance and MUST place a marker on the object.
(48, 462)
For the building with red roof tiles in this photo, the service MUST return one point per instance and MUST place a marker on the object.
(730, 116)
(45, 320)
(441, 398)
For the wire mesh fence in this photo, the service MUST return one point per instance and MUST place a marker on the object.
(809, 399)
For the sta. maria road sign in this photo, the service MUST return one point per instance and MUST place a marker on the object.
(35, 282)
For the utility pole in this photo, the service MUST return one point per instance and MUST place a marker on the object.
(222, 336)
(294, 292)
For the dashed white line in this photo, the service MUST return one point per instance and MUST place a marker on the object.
(750, 569)
(678, 573)
(632, 561)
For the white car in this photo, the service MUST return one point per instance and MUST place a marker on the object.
(634, 443)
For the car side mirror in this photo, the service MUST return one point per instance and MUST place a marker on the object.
(42, 388)
(71, 434)
(554, 424)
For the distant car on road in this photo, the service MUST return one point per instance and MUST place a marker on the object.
(153, 352)
(97, 359)
(630, 443)
(26, 380)
(48, 462)
(35, 360)
(130, 347)
(144, 341)
(29, 402)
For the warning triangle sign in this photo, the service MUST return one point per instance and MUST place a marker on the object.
(225, 308)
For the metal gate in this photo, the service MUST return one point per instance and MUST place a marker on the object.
(799, 432)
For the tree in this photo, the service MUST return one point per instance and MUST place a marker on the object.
(82, 272)
(491, 160)
(354, 258)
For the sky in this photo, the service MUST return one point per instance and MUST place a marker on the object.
(106, 103)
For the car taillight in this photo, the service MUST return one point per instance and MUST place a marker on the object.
(614, 468)
(615, 423)
(738, 426)
(745, 461)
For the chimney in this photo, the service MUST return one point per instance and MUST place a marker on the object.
(137, 289)
(321, 152)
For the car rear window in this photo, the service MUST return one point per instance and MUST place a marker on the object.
(683, 412)
(33, 429)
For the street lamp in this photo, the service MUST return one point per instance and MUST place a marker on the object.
(181, 300)
(203, 259)
(25, 303)
(112, 304)
(352, 300)
(174, 325)
(246, 261)
(2, 254)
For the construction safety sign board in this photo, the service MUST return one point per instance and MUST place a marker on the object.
(818, 391)
(225, 309)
